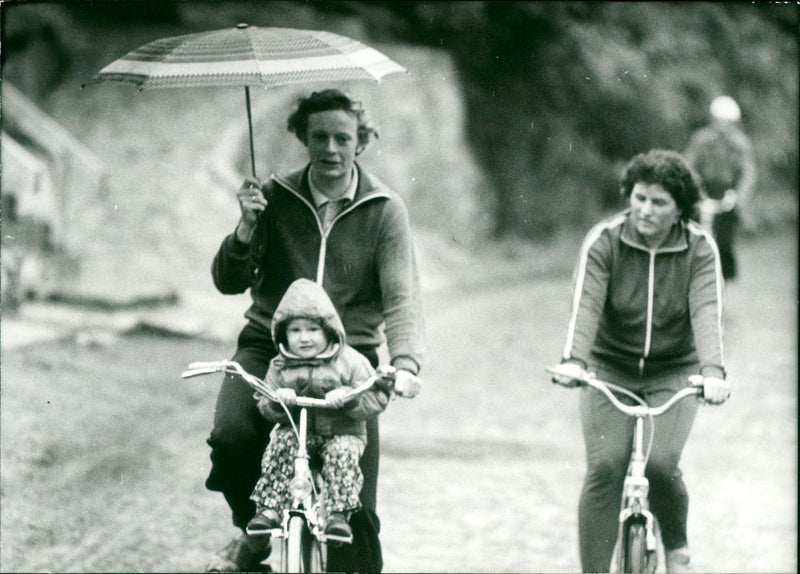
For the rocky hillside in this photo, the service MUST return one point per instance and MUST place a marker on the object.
(177, 156)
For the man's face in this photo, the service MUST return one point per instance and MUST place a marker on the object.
(332, 139)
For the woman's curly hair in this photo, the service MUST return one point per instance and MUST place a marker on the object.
(671, 171)
(325, 101)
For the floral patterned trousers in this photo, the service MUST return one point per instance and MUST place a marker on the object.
(340, 470)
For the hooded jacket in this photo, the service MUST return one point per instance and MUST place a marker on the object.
(647, 310)
(337, 366)
(365, 262)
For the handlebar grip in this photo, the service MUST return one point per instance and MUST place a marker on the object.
(216, 365)
(400, 389)
(311, 402)
(580, 379)
(697, 382)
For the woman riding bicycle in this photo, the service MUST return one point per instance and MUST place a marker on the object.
(646, 314)
(333, 222)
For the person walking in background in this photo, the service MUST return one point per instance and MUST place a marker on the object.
(646, 314)
(315, 360)
(333, 222)
(722, 155)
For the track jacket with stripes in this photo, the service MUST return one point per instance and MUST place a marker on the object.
(365, 262)
(647, 311)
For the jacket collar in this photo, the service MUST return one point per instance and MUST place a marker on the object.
(321, 199)
(675, 241)
(297, 182)
(296, 361)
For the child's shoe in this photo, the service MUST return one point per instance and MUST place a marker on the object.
(337, 526)
(263, 522)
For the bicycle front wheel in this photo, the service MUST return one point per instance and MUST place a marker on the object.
(636, 558)
(294, 545)
(315, 559)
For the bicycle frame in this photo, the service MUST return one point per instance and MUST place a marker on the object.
(635, 491)
(635, 517)
(635, 508)
(308, 504)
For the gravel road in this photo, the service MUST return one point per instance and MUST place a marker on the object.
(104, 456)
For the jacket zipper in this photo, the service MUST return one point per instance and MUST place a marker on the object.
(323, 248)
(651, 282)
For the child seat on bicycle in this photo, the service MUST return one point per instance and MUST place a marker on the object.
(315, 361)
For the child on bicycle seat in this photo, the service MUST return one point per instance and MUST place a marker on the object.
(315, 361)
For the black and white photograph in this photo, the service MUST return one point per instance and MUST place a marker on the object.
(399, 286)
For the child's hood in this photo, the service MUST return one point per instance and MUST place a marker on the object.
(307, 299)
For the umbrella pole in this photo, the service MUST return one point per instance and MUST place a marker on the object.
(250, 125)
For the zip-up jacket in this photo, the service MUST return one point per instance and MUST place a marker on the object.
(646, 310)
(365, 262)
(337, 366)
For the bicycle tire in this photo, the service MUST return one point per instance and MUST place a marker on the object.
(295, 562)
(315, 561)
(636, 559)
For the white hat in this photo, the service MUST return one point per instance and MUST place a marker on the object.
(725, 108)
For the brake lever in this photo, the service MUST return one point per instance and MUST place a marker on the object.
(197, 372)
(697, 382)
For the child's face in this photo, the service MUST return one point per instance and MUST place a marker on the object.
(306, 338)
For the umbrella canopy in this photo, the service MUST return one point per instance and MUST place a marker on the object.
(248, 56)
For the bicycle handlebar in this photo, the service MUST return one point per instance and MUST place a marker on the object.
(313, 402)
(640, 410)
(208, 367)
(606, 388)
(232, 367)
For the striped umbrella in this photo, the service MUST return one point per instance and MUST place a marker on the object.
(248, 56)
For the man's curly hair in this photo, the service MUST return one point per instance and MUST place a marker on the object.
(671, 171)
(325, 101)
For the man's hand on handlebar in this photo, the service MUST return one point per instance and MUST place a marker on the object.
(407, 384)
(398, 381)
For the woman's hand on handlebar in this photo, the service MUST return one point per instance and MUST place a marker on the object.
(251, 203)
(568, 374)
(715, 390)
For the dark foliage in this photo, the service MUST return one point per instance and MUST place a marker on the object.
(559, 94)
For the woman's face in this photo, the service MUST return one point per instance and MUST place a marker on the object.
(332, 138)
(653, 212)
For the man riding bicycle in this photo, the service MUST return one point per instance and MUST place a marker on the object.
(332, 222)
